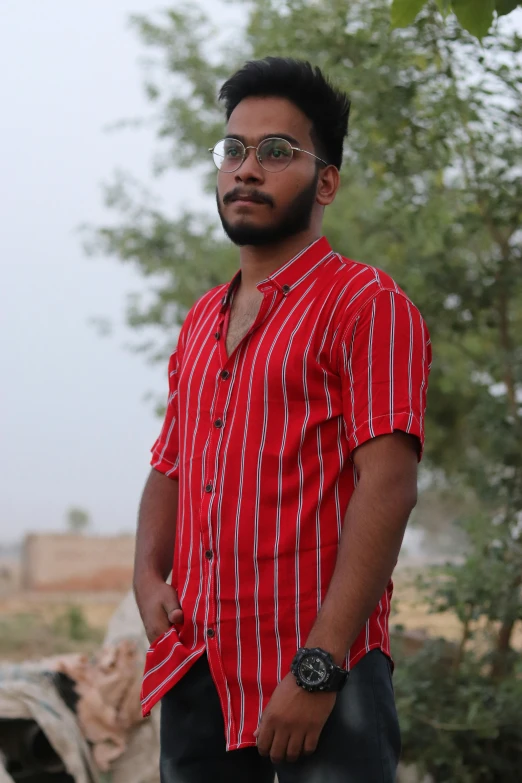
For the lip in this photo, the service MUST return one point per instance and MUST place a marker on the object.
(245, 202)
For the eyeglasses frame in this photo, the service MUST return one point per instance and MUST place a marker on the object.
(251, 147)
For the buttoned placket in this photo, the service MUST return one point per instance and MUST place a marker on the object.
(217, 425)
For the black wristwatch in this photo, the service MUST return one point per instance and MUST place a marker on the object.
(315, 670)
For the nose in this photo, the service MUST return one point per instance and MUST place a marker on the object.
(250, 170)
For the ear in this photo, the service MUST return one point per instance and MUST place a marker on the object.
(328, 185)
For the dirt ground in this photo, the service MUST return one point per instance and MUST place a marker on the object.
(34, 625)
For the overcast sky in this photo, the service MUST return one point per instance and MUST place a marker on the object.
(74, 427)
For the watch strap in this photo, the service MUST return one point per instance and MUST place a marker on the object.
(337, 679)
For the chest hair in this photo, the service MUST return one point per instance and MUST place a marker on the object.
(242, 315)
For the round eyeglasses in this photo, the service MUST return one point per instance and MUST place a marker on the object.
(273, 154)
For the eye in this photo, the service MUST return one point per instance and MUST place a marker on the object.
(231, 152)
(278, 152)
(276, 149)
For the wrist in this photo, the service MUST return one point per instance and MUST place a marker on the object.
(147, 578)
(315, 670)
(333, 647)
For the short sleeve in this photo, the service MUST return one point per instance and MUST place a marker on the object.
(385, 361)
(165, 451)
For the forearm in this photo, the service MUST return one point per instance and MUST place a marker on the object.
(156, 531)
(372, 535)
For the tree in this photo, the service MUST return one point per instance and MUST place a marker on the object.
(476, 16)
(78, 520)
(431, 192)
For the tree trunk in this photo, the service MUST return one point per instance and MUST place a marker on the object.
(501, 663)
(462, 645)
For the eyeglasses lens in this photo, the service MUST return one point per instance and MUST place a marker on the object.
(273, 154)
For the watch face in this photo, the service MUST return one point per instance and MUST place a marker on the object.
(313, 670)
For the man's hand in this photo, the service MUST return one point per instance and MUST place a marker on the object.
(159, 607)
(292, 721)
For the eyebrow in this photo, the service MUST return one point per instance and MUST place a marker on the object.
(285, 136)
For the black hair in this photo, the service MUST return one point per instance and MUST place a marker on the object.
(299, 82)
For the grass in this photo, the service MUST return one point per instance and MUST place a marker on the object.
(29, 635)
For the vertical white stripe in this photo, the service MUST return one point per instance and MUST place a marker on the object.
(259, 489)
(340, 453)
(191, 479)
(423, 384)
(167, 439)
(370, 368)
(235, 383)
(236, 532)
(392, 351)
(318, 519)
(410, 363)
(280, 476)
(348, 360)
(301, 487)
(201, 338)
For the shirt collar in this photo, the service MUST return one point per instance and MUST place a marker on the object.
(304, 266)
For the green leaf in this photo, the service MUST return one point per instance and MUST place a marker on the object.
(403, 12)
(476, 16)
(503, 7)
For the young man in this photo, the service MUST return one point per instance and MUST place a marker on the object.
(285, 471)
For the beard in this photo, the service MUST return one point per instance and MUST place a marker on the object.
(295, 219)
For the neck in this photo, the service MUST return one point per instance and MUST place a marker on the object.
(257, 263)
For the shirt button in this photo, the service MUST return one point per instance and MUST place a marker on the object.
(211, 633)
(286, 289)
(217, 335)
(225, 375)
(209, 554)
(218, 423)
(208, 488)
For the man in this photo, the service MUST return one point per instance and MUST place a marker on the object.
(285, 471)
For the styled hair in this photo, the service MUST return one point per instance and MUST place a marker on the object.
(306, 87)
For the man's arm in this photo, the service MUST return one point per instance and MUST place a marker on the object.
(372, 536)
(383, 361)
(157, 601)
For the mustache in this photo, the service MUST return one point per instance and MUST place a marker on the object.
(253, 195)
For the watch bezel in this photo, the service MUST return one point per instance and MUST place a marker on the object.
(325, 674)
(302, 654)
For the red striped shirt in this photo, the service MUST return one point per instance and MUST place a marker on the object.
(261, 442)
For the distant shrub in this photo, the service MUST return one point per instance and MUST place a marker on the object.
(459, 725)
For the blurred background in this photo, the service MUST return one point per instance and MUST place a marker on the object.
(109, 235)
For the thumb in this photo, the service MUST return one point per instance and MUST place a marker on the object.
(175, 616)
(174, 612)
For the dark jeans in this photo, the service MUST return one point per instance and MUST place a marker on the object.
(360, 742)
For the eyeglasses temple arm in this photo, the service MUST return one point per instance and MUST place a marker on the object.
(298, 149)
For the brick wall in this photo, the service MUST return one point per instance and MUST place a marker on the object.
(66, 561)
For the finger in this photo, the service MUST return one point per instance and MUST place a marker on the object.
(279, 746)
(295, 747)
(310, 743)
(173, 609)
(175, 616)
(265, 735)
